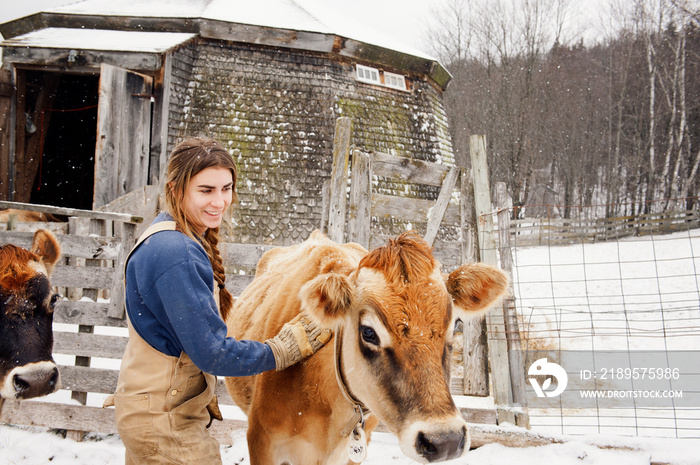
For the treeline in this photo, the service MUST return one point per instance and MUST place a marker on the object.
(612, 120)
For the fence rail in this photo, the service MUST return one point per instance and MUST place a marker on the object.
(560, 231)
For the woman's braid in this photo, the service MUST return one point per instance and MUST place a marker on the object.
(211, 239)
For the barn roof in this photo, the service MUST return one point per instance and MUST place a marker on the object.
(298, 24)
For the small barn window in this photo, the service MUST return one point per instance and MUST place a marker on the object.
(367, 74)
(395, 81)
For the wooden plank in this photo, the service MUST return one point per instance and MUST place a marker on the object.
(101, 420)
(497, 344)
(77, 226)
(515, 359)
(359, 218)
(339, 177)
(90, 277)
(408, 169)
(85, 312)
(93, 214)
(94, 419)
(274, 37)
(474, 340)
(88, 345)
(437, 212)
(412, 210)
(90, 60)
(141, 201)
(126, 234)
(31, 226)
(88, 379)
(93, 247)
(123, 127)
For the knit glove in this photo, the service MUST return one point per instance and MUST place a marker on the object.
(297, 340)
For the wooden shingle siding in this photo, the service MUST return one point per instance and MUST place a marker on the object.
(275, 110)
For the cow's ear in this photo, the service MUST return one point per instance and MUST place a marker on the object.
(45, 245)
(327, 298)
(477, 287)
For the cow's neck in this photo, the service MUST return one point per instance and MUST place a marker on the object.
(359, 409)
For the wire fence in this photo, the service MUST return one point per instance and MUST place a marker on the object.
(629, 294)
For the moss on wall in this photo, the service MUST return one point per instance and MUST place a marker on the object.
(275, 111)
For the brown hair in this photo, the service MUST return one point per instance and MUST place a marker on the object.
(187, 159)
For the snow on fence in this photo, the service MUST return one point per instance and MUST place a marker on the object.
(633, 294)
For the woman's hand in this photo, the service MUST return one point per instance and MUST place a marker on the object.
(297, 340)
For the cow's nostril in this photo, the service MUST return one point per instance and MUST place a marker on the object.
(21, 385)
(440, 446)
(425, 446)
(53, 380)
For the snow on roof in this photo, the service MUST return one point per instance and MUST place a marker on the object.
(92, 39)
(300, 15)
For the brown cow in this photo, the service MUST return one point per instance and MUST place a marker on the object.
(392, 314)
(27, 368)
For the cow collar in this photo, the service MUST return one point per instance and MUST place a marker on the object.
(359, 409)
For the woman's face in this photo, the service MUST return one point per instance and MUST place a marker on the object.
(207, 197)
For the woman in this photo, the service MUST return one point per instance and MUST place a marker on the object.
(177, 303)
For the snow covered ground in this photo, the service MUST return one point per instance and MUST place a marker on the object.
(637, 291)
(28, 446)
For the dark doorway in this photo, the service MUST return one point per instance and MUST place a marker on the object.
(65, 177)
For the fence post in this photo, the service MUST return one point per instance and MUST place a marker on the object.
(79, 227)
(339, 180)
(475, 358)
(497, 344)
(515, 357)
(359, 217)
(438, 211)
(126, 232)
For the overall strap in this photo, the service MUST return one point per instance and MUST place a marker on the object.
(154, 228)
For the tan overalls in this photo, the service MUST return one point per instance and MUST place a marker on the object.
(162, 402)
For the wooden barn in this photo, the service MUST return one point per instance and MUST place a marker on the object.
(95, 94)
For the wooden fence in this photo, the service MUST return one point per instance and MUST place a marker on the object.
(90, 277)
(559, 231)
(448, 223)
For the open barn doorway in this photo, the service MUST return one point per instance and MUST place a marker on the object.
(60, 134)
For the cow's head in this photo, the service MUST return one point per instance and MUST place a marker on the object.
(397, 313)
(27, 368)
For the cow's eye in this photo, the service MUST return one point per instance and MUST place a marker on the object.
(54, 299)
(369, 335)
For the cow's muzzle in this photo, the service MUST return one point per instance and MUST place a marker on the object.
(435, 441)
(33, 380)
(444, 445)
